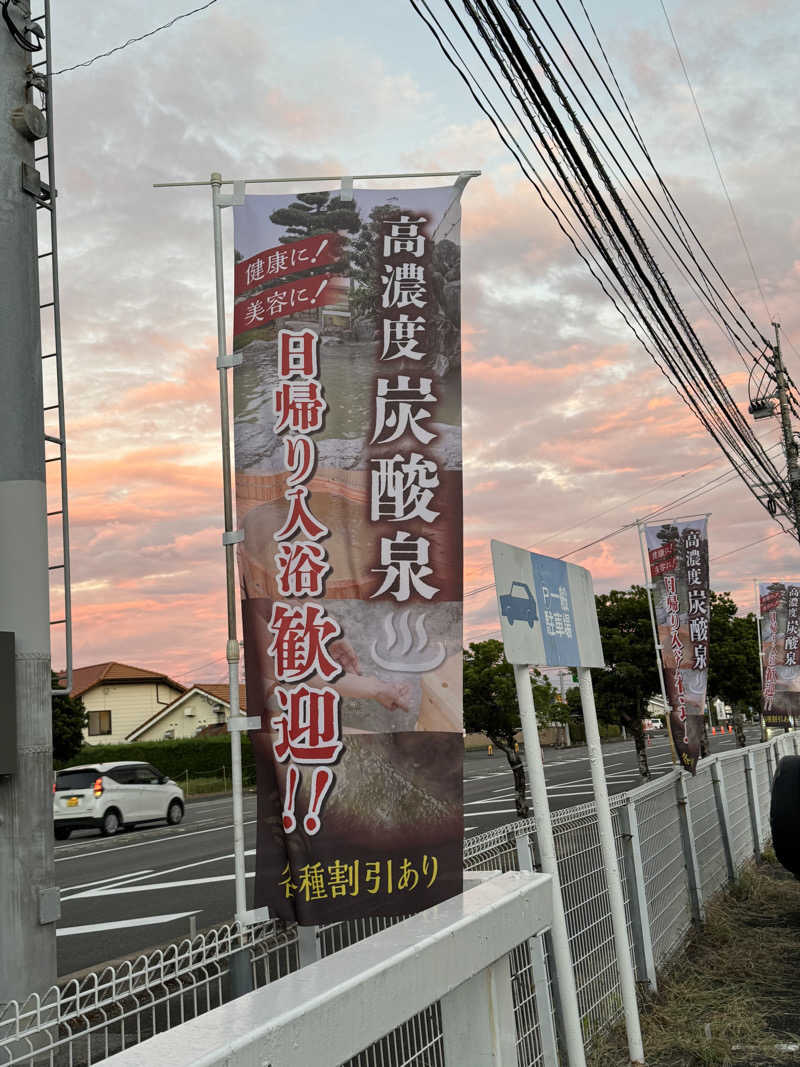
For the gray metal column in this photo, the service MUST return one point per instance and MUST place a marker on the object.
(689, 851)
(546, 1010)
(752, 801)
(634, 875)
(27, 900)
(721, 799)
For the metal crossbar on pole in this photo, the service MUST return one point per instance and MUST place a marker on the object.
(565, 976)
(467, 174)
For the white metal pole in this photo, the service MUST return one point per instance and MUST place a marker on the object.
(649, 587)
(608, 850)
(565, 976)
(232, 645)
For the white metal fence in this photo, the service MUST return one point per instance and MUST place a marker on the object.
(679, 840)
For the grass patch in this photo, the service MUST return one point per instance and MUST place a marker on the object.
(732, 997)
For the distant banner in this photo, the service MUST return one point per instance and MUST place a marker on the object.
(679, 570)
(779, 605)
(347, 412)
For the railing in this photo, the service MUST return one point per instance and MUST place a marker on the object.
(447, 972)
(679, 840)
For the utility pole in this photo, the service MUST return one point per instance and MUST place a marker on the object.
(789, 442)
(28, 900)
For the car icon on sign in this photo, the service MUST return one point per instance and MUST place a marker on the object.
(519, 605)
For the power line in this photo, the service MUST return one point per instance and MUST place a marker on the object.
(716, 161)
(741, 548)
(612, 246)
(135, 40)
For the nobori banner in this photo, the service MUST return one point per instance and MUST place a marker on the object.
(678, 554)
(547, 609)
(779, 608)
(348, 490)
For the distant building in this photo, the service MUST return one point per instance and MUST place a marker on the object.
(201, 708)
(119, 698)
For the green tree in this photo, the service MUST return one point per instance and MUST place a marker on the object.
(317, 213)
(490, 706)
(69, 722)
(630, 678)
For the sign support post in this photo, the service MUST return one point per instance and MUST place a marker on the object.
(608, 849)
(568, 996)
(760, 655)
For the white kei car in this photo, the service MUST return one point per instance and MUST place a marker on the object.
(107, 796)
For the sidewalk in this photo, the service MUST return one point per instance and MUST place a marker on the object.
(732, 997)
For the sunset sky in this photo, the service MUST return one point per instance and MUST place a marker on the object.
(565, 416)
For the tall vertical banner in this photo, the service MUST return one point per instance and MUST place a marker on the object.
(678, 554)
(779, 607)
(347, 422)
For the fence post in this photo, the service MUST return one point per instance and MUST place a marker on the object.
(541, 979)
(689, 850)
(794, 743)
(721, 798)
(478, 1019)
(634, 875)
(771, 766)
(307, 945)
(752, 800)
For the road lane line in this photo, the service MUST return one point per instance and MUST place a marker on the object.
(129, 880)
(113, 890)
(151, 841)
(104, 881)
(124, 924)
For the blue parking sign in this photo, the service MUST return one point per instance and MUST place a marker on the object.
(547, 609)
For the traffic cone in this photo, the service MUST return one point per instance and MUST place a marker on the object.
(713, 731)
(649, 739)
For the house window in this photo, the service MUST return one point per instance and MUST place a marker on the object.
(99, 723)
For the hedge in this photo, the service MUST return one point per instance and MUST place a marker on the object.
(200, 756)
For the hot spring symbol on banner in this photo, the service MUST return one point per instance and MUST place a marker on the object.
(347, 417)
(779, 608)
(678, 553)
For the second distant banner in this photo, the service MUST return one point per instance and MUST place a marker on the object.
(678, 555)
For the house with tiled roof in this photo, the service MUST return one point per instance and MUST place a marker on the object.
(197, 710)
(119, 697)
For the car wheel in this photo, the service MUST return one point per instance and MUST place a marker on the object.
(110, 823)
(784, 813)
(174, 813)
(61, 832)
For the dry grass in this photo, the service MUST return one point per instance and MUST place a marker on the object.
(732, 997)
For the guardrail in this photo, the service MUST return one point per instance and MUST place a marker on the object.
(454, 959)
(679, 840)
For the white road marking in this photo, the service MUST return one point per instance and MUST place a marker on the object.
(118, 890)
(151, 841)
(104, 881)
(124, 924)
(126, 881)
(470, 828)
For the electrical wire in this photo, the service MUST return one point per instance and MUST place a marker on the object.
(714, 158)
(27, 44)
(133, 40)
(642, 294)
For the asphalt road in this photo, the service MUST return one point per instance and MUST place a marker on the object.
(122, 894)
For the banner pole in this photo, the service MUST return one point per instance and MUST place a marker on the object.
(608, 850)
(760, 655)
(649, 587)
(565, 975)
(232, 645)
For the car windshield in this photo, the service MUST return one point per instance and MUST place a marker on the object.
(82, 779)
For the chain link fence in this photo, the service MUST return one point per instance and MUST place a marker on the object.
(679, 840)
